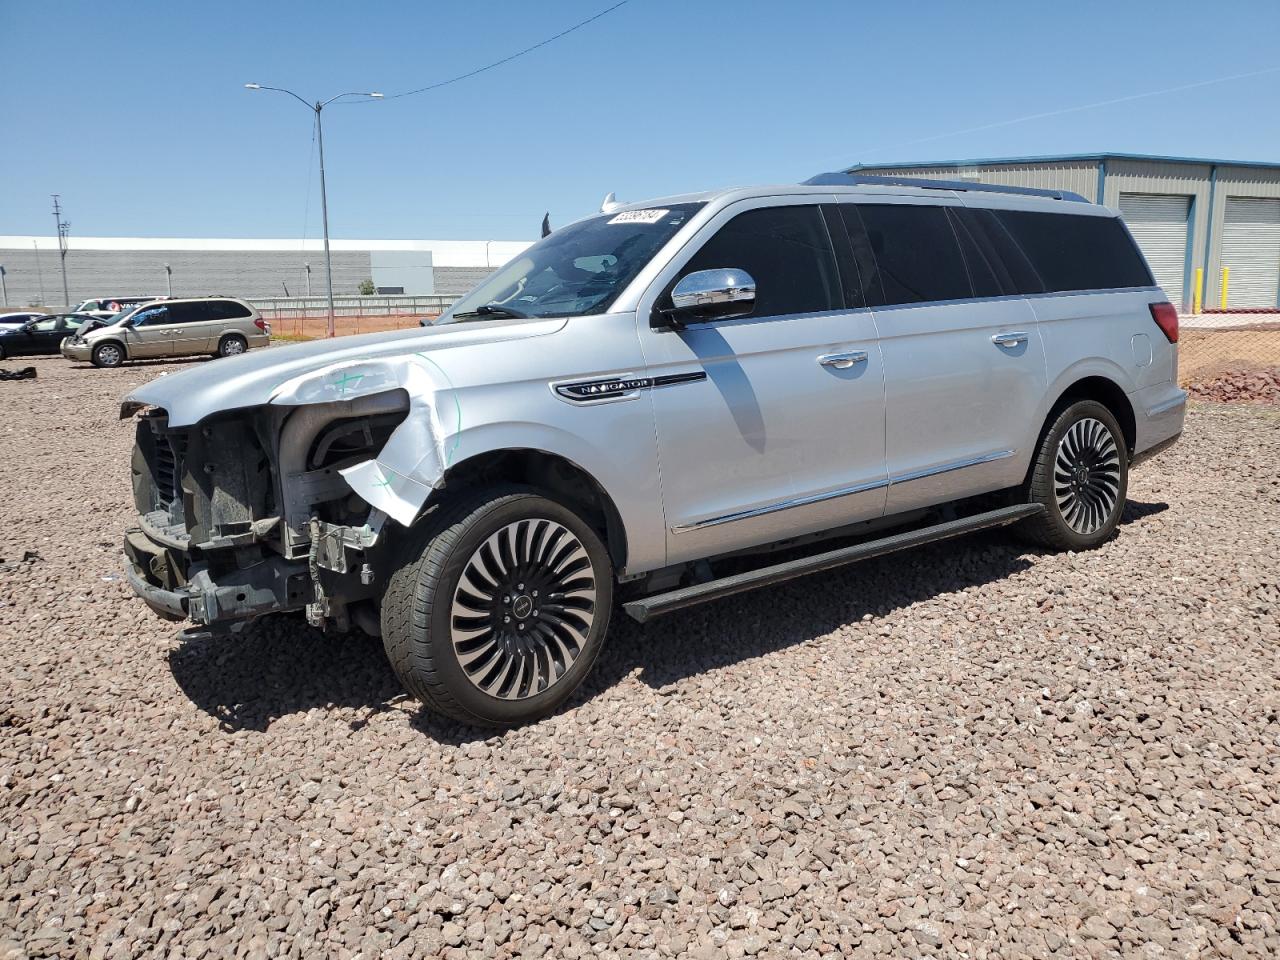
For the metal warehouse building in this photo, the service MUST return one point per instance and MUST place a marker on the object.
(1187, 215)
(133, 266)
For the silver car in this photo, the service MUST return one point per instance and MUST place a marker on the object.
(643, 407)
(210, 326)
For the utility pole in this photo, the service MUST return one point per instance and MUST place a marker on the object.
(63, 227)
(4, 291)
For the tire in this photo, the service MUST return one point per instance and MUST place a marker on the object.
(435, 614)
(109, 354)
(3, 356)
(1081, 476)
(232, 345)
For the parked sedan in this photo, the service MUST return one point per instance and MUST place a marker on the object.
(40, 336)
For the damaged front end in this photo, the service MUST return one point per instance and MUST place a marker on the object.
(248, 512)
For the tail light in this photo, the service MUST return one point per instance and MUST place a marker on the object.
(262, 325)
(1166, 317)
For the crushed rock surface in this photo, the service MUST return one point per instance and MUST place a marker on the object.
(974, 749)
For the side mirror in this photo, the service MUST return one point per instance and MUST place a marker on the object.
(711, 295)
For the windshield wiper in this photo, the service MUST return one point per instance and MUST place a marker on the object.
(492, 310)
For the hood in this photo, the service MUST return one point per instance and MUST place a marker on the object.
(255, 378)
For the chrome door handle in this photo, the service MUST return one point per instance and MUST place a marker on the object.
(843, 361)
(1009, 339)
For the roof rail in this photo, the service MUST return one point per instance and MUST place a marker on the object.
(861, 179)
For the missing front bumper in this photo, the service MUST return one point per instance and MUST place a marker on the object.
(238, 591)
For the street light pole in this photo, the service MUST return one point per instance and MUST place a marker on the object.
(168, 279)
(4, 291)
(316, 108)
(324, 216)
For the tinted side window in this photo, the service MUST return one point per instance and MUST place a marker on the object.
(1075, 252)
(916, 253)
(186, 312)
(225, 310)
(982, 273)
(786, 250)
(1012, 268)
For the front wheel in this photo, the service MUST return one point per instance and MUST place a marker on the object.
(500, 607)
(108, 355)
(1080, 475)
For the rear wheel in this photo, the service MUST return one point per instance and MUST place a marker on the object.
(232, 345)
(108, 355)
(499, 608)
(1080, 475)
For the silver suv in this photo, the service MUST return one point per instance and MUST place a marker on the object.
(214, 326)
(648, 405)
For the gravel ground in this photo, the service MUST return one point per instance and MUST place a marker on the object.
(971, 750)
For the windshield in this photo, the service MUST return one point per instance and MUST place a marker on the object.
(117, 317)
(578, 269)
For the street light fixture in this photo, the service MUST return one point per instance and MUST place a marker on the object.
(324, 200)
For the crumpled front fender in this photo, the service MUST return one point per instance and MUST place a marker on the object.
(413, 461)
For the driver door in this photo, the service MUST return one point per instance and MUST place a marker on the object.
(770, 425)
(150, 333)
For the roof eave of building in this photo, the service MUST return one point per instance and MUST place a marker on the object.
(1058, 158)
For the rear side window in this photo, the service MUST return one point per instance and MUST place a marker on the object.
(1013, 270)
(226, 310)
(917, 256)
(788, 253)
(1076, 252)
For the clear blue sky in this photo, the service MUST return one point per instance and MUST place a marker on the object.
(136, 113)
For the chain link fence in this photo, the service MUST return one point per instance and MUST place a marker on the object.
(1231, 356)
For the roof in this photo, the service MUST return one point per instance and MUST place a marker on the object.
(1064, 158)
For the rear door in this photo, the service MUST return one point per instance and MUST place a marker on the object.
(772, 424)
(963, 362)
(193, 325)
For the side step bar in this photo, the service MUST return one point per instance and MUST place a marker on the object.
(647, 608)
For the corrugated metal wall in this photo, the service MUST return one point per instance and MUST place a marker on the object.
(236, 273)
(34, 277)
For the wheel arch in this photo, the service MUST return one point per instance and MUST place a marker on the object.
(557, 475)
(1106, 392)
(1095, 387)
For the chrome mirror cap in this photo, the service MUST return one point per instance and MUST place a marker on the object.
(715, 289)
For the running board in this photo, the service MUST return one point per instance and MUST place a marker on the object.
(647, 608)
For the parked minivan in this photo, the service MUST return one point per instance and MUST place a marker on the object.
(219, 326)
(651, 404)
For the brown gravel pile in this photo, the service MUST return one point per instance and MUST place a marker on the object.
(1239, 386)
(972, 750)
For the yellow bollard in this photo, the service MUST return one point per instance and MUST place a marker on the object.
(1226, 275)
(1197, 290)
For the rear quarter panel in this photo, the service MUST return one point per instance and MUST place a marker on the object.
(1100, 334)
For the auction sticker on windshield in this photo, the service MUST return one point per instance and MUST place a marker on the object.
(640, 216)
